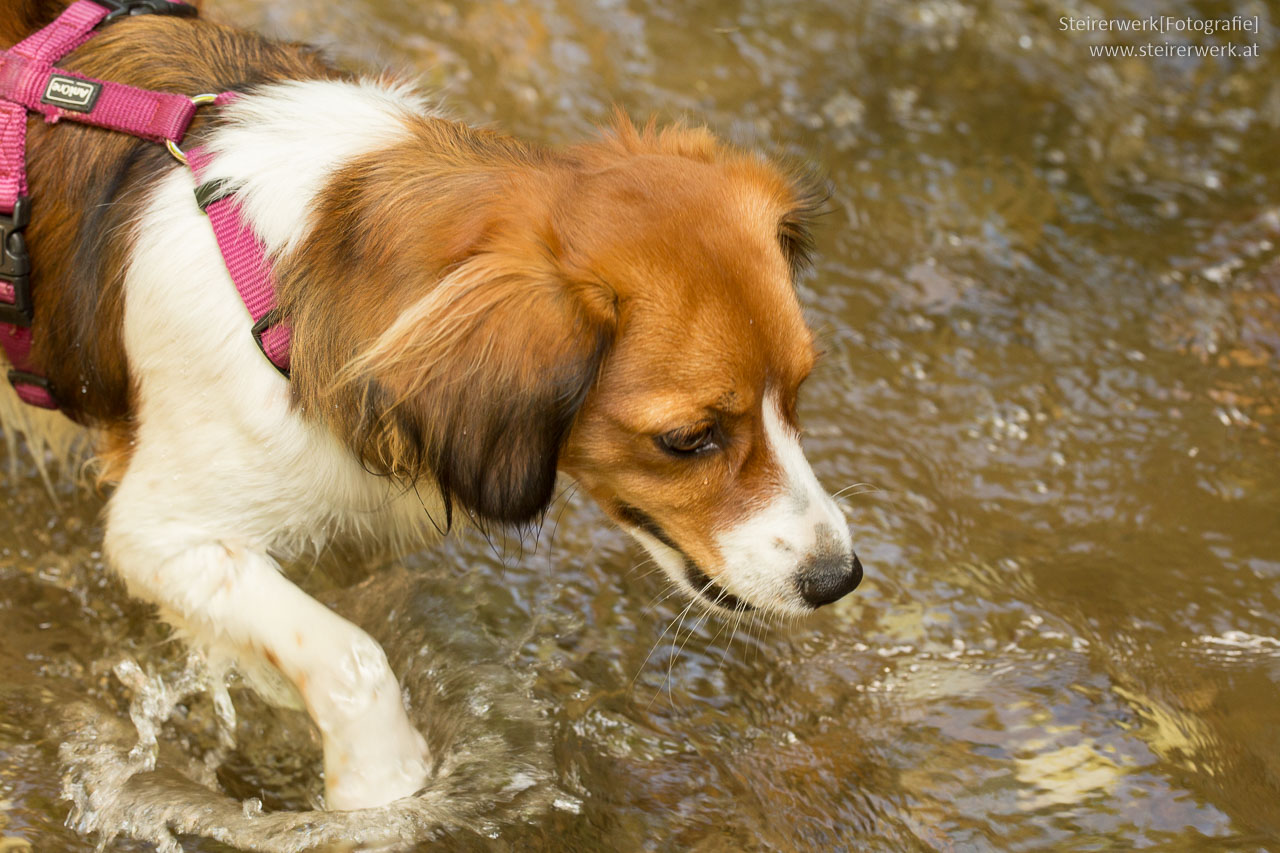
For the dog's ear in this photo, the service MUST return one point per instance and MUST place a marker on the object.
(477, 384)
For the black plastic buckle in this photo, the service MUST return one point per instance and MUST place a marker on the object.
(259, 329)
(15, 264)
(22, 377)
(124, 8)
(212, 192)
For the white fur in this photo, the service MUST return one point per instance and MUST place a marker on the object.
(225, 477)
(285, 144)
(762, 556)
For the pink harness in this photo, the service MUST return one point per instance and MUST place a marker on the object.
(30, 82)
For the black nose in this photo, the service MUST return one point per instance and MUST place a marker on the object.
(829, 578)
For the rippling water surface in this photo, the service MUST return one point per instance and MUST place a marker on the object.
(1049, 295)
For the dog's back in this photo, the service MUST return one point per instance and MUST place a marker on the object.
(20, 18)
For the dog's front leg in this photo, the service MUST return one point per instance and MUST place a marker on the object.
(228, 595)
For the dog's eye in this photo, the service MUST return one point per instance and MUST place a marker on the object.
(689, 441)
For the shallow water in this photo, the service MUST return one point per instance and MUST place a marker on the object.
(1049, 294)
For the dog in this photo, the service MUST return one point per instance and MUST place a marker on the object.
(472, 315)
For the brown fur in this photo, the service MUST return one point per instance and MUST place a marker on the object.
(20, 18)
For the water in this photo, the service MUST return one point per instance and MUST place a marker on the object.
(1049, 295)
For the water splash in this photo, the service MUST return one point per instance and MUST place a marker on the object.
(488, 736)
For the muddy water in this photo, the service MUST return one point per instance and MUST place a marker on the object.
(1049, 294)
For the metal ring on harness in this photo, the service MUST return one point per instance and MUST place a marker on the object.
(178, 154)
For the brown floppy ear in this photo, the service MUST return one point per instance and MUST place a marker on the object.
(477, 385)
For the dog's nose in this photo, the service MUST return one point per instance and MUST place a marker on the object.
(829, 578)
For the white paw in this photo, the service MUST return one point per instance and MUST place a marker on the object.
(357, 779)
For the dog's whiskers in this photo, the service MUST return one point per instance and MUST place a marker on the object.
(698, 623)
(671, 590)
(733, 634)
(678, 623)
(864, 488)
(672, 587)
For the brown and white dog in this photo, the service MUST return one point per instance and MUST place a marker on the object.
(471, 314)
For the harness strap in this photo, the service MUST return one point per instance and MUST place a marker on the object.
(58, 94)
(13, 147)
(246, 260)
(67, 32)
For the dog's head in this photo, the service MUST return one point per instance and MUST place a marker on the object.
(623, 311)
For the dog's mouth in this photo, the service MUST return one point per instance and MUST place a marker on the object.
(701, 583)
(712, 591)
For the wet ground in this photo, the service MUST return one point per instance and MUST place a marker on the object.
(1049, 294)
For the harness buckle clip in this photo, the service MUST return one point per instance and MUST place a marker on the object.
(18, 378)
(269, 319)
(15, 264)
(124, 8)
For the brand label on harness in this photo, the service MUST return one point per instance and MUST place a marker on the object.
(71, 93)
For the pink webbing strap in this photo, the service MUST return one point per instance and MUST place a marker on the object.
(13, 150)
(154, 116)
(246, 260)
(27, 68)
(15, 328)
(33, 391)
(70, 30)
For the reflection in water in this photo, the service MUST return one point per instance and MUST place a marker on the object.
(1049, 294)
